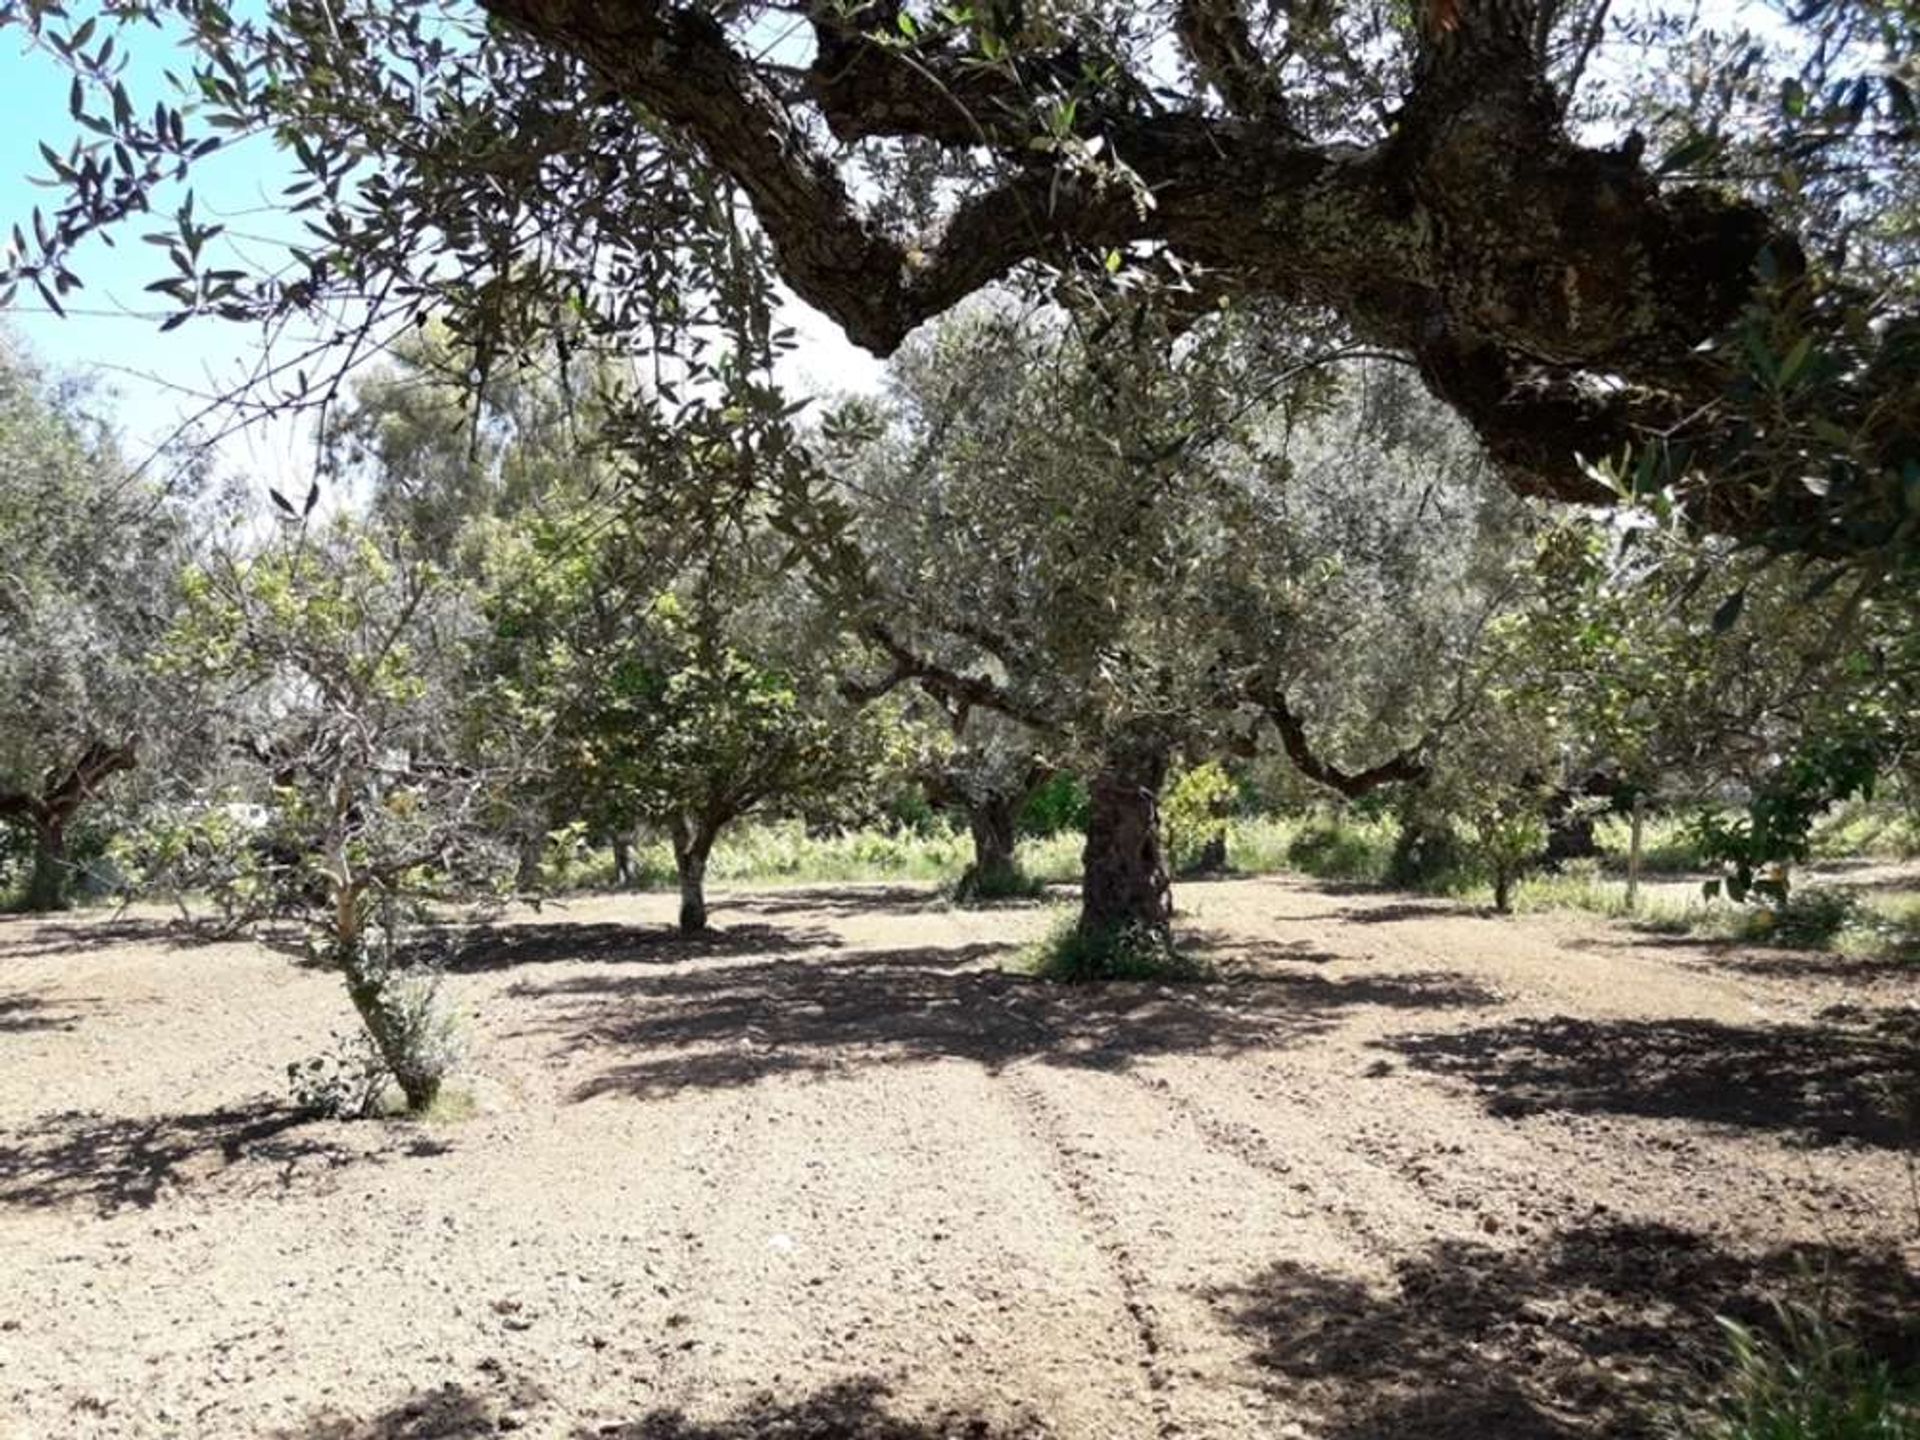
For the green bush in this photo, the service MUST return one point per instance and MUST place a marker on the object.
(996, 886)
(1429, 855)
(1812, 1382)
(347, 1081)
(1336, 848)
(1060, 804)
(1195, 812)
(1810, 919)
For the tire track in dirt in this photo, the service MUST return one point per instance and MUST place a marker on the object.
(1044, 1125)
(684, 1288)
(1308, 1174)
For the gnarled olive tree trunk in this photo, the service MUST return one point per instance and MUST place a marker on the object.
(47, 813)
(991, 820)
(47, 883)
(1124, 881)
(625, 875)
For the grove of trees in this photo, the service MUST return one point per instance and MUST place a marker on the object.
(1445, 404)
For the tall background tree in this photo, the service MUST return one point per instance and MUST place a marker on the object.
(1136, 543)
(90, 556)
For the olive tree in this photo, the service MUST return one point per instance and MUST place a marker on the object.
(90, 555)
(332, 652)
(1117, 539)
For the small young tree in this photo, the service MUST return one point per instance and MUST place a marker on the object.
(331, 654)
(692, 735)
(1199, 801)
(683, 693)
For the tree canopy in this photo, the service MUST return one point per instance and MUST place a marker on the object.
(1620, 241)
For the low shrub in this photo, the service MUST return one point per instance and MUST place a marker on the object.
(1336, 848)
(1071, 955)
(996, 886)
(346, 1081)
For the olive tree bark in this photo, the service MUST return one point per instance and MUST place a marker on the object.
(991, 820)
(692, 843)
(625, 876)
(1124, 885)
(47, 884)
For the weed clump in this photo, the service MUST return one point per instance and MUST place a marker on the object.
(1073, 955)
(996, 885)
(1811, 1382)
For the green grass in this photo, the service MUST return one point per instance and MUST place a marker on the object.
(782, 852)
(1054, 859)
(1667, 844)
(1856, 830)
(1068, 955)
(1810, 1382)
(1861, 831)
(1858, 924)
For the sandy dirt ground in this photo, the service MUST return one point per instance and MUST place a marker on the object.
(1403, 1171)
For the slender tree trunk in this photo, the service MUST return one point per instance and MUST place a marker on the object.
(1633, 853)
(47, 884)
(992, 822)
(1502, 889)
(532, 850)
(420, 1084)
(1124, 879)
(690, 850)
(623, 872)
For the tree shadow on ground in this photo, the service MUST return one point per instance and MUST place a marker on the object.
(851, 1410)
(1593, 1331)
(855, 1409)
(507, 947)
(25, 936)
(839, 900)
(1405, 912)
(1749, 957)
(1851, 1079)
(117, 1162)
(730, 1025)
(22, 1013)
(1231, 950)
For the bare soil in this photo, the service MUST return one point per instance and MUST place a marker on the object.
(1404, 1170)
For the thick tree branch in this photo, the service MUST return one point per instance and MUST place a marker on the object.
(943, 681)
(65, 791)
(1410, 764)
(1555, 294)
